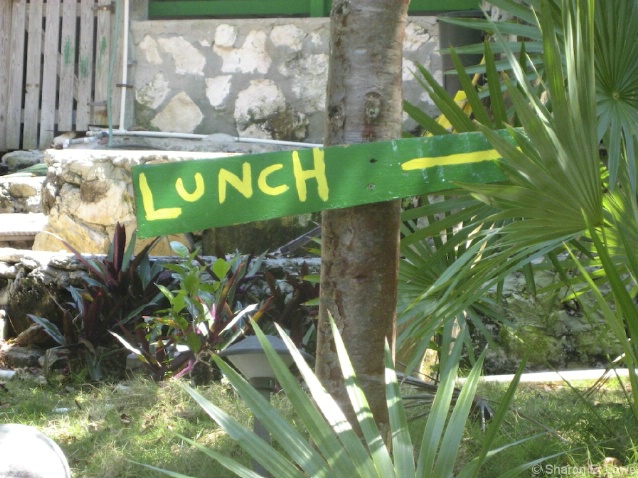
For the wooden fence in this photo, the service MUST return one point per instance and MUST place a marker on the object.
(56, 58)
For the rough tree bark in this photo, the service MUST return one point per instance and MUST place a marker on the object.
(360, 245)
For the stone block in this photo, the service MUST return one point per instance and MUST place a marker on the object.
(17, 160)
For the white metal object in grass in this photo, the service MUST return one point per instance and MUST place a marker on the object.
(7, 374)
(560, 376)
(27, 452)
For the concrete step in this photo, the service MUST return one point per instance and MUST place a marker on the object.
(18, 227)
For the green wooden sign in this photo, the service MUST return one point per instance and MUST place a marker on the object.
(202, 194)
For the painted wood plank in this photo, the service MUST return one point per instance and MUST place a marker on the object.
(184, 8)
(85, 66)
(229, 8)
(443, 5)
(194, 195)
(319, 8)
(33, 80)
(102, 62)
(67, 66)
(14, 104)
(5, 45)
(50, 73)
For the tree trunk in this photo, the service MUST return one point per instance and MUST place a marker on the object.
(360, 245)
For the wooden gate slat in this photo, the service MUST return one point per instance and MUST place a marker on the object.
(50, 73)
(14, 103)
(67, 66)
(33, 78)
(102, 62)
(5, 44)
(85, 66)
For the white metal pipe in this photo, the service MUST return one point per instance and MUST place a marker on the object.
(223, 137)
(124, 65)
(150, 134)
(89, 139)
(276, 141)
(560, 376)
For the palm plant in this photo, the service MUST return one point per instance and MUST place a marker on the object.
(337, 449)
(562, 188)
(616, 79)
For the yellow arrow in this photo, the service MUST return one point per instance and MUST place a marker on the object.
(452, 159)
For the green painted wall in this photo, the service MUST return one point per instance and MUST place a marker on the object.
(302, 8)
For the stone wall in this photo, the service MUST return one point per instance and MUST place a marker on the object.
(259, 78)
(550, 333)
(88, 191)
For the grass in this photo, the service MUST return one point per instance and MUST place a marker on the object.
(105, 428)
(591, 431)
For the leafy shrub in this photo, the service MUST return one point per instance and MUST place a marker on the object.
(116, 292)
(206, 313)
